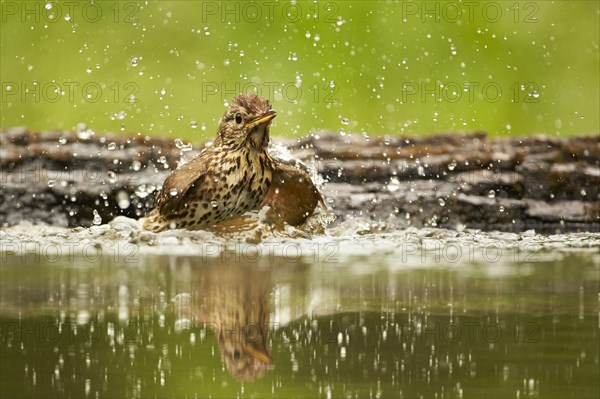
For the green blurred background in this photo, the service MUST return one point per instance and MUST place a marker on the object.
(375, 67)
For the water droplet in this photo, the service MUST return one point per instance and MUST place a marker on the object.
(214, 204)
(583, 192)
(112, 146)
(421, 170)
(112, 176)
(163, 92)
(193, 124)
(292, 57)
(491, 194)
(173, 192)
(123, 199)
(62, 141)
(135, 61)
(48, 6)
(85, 134)
(136, 165)
(345, 121)
(51, 183)
(183, 147)
(393, 185)
(143, 191)
(441, 201)
(97, 219)
(452, 165)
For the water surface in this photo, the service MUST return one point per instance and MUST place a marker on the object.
(397, 315)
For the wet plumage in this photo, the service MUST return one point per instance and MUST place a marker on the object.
(292, 194)
(227, 179)
(233, 176)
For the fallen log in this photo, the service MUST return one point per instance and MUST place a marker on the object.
(453, 181)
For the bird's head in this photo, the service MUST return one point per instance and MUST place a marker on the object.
(246, 123)
(246, 357)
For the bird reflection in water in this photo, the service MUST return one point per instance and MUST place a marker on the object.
(233, 300)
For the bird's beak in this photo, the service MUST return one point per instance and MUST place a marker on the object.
(264, 118)
(259, 354)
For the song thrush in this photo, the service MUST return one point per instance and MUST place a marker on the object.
(233, 176)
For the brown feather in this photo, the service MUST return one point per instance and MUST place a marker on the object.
(190, 175)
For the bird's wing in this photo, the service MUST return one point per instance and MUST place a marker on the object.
(178, 184)
(292, 194)
(285, 171)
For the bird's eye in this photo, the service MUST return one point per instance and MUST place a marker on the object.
(236, 354)
(238, 118)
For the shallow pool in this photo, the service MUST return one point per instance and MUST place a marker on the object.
(114, 312)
